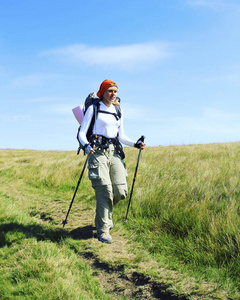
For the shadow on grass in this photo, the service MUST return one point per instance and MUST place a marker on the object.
(82, 233)
(12, 233)
(41, 233)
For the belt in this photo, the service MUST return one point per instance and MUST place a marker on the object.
(102, 142)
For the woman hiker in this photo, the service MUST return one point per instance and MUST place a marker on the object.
(106, 168)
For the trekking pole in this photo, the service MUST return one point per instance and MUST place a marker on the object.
(134, 178)
(65, 221)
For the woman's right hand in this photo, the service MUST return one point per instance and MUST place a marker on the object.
(89, 149)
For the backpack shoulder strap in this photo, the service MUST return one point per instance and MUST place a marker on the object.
(118, 111)
(117, 115)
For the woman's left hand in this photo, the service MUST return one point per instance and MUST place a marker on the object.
(142, 146)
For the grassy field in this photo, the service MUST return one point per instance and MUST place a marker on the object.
(182, 238)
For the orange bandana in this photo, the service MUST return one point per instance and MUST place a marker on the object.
(105, 85)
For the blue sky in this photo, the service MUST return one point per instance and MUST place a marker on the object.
(177, 65)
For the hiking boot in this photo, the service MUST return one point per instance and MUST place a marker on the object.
(105, 238)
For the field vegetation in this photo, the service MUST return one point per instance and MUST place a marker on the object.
(182, 239)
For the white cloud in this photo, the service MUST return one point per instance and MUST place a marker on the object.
(215, 3)
(32, 79)
(211, 120)
(215, 114)
(15, 118)
(205, 2)
(59, 109)
(52, 100)
(209, 3)
(123, 57)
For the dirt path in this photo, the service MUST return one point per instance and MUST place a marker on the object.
(114, 277)
(114, 267)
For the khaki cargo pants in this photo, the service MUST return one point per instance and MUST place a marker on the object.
(108, 173)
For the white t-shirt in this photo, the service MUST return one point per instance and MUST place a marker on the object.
(106, 125)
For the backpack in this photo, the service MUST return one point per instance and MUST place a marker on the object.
(93, 99)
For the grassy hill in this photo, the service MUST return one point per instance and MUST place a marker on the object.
(182, 239)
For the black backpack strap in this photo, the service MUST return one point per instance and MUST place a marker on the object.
(109, 113)
(80, 145)
(95, 112)
(117, 115)
(118, 110)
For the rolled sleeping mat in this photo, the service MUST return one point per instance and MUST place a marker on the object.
(78, 113)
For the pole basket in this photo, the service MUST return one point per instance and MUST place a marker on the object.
(64, 223)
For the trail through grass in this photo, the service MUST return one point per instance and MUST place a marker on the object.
(182, 235)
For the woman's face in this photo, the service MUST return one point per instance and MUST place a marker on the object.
(110, 96)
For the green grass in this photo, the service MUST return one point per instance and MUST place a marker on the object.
(189, 208)
(37, 262)
(44, 270)
(184, 215)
